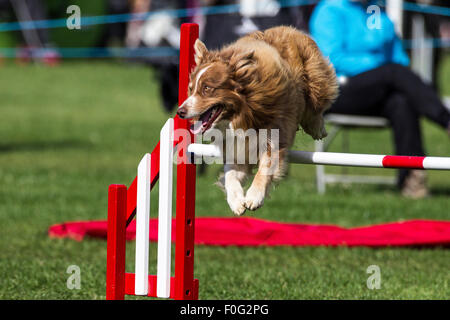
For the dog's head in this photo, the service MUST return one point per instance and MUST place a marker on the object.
(216, 88)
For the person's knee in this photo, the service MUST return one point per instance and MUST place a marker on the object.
(402, 76)
(396, 73)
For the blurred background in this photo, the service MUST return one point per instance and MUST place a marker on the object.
(147, 31)
(84, 96)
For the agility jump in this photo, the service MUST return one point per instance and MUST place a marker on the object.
(126, 203)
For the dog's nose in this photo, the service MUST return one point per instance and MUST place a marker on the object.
(182, 112)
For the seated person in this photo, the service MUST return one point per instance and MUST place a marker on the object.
(375, 78)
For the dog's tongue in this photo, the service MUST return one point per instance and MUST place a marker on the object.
(198, 126)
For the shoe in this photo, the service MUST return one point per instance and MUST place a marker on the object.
(415, 186)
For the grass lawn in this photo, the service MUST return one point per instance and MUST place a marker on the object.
(70, 131)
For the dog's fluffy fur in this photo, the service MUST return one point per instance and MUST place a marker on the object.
(276, 79)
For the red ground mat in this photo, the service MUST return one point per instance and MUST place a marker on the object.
(235, 231)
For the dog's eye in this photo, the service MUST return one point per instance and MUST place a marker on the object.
(206, 89)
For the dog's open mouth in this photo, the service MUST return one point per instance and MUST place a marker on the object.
(206, 119)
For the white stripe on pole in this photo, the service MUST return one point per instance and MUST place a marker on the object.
(337, 159)
(165, 210)
(343, 159)
(142, 226)
(439, 163)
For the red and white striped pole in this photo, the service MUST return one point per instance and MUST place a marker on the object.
(369, 160)
(343, 159)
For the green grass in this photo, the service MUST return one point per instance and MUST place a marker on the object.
(68, 132)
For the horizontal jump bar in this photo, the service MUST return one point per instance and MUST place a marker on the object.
(344, 159)
(369, 160)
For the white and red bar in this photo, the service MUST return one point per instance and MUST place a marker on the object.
(369, 160)
(344, 159)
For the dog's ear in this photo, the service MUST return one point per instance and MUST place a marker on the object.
(240, 60)
(242, 65)
(200, 51)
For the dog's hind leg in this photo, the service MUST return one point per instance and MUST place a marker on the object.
(234, 176)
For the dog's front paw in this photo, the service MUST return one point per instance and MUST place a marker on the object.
(237, 204)
(254, 198)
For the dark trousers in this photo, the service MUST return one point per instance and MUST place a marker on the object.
(395, 92)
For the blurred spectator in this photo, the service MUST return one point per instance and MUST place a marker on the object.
(115, 32)
(133, 35)
(220, 29)
(375, 79)
(159, 30)
(27, 10)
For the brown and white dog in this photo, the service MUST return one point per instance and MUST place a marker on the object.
(276, 79)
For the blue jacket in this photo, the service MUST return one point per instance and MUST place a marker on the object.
(340, 28)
